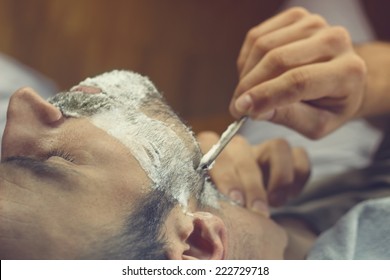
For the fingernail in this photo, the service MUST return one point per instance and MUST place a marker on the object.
(237, 197)
(260, 207)
(278, 198)
(244, 103)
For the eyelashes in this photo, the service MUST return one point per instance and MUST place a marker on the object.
(62, 154)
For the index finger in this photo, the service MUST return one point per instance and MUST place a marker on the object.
(281, 20)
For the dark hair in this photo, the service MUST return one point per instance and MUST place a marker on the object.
(142, 237)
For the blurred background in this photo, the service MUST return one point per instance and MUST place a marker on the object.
(187, 48)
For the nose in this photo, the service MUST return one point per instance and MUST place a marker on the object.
(30, 122)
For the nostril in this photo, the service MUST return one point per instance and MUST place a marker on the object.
(26, 105)
(53, 115)
(87, 89)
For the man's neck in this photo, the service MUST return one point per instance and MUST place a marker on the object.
(300, 238)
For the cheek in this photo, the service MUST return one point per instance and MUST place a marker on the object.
(111, 197)
(268, 237)
(46, 226)
(81, 219)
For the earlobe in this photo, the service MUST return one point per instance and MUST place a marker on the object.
(208, 239)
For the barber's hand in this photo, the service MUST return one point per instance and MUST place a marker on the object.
(254, 176)
(298, 71)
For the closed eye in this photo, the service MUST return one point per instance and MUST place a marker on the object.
(62, 154)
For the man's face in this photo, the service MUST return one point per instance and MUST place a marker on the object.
(69, 178)
(66, 182)
(51, 206)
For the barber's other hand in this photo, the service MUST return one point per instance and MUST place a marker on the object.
(255, 176)
(298, 71)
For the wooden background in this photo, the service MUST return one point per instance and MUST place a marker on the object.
(187, 47)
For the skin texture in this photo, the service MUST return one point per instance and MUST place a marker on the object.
(51, 214)
(293, 68)
(66, 184)
(255, 176)
(377, 58)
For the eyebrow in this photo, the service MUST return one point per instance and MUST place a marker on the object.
(38, 167)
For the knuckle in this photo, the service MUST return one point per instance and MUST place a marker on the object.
(260, 100)
(298, 82)
(316, 21)
(240, 63)
(356, 67)
(276, 60)
(297, 12)
(262, 45)
(301, 152)
(341, 32)
(302, 157)
(252, 34)
(337, 36)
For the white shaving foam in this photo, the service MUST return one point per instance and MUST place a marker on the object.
(130, 109)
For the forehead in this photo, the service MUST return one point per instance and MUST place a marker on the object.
(132, 110)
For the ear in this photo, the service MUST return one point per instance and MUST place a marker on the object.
(204, 238)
